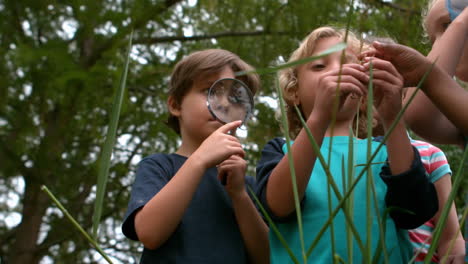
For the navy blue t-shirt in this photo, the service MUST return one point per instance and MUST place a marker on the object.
(208, 231)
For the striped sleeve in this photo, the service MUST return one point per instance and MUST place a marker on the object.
(433, 159)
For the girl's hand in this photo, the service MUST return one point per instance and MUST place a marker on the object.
(232, 172)
(352, 86)
(388, 85)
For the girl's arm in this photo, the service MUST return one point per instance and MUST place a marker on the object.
(407, 185)
(451, 229)
(388, 85)
(279, 189)
(251, 225)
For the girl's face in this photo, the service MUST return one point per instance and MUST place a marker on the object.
(437, 22)
(309, 75)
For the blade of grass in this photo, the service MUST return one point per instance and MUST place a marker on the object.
(445, 211)
(105, 160)
(76, 224)
(326, 168)
(370, 103)
(332, 227)
(350, 202)
(333, 49)
(272, 226)
(293, 172)
(452, 242)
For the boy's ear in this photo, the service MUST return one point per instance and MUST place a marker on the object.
(174, 107)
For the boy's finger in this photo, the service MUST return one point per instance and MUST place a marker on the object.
(230, 126)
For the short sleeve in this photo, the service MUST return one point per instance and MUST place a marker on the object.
(152, 175)
(434, 160)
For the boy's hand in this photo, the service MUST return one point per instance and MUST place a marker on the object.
(411, 64)
(232, 171)
(352, 83)
(388, 85)
(219, 146)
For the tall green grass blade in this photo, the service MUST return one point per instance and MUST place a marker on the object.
(272, 226)
(371, 196)
(445, 211)
(76, 224)
(350, 201)
(370, 103)
(105, 160)
(332, 227)
(326, 168)
(452, 242)
(293, 172)
(338, 259)
(333, 49)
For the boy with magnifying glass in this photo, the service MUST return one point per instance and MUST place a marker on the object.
(179, 209)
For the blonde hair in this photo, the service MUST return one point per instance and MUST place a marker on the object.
(210, 61)
(288, 77)
(424, 14)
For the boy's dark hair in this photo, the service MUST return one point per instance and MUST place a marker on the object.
(204, 62)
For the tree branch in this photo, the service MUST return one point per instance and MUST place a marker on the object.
(209, 36)
(397, 7)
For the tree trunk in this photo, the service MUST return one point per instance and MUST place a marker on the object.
(25, 248)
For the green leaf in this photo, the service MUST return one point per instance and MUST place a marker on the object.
(333, 49)
(109, 144)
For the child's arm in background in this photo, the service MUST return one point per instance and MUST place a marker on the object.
(408, 186)
(412, 65)
(253, 229)
(279, 190)
(157, 220)
(422, 115)
(451, 229)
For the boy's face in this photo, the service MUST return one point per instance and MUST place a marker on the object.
(195, 121)
(437, 21)
(310, 74)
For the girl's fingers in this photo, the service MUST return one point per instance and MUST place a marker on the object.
(355, 70)
(380, 64)
(350, 88)
(369, 53)
(388, 88)
(386, 76)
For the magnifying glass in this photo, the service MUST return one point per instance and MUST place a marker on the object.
(455, 7)
(229, 100)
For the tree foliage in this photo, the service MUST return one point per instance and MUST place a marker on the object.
(62, 61)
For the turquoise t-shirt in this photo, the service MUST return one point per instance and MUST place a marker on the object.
(315, 211)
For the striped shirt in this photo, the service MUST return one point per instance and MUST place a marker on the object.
(436, 165)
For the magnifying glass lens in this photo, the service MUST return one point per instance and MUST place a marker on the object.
(230, 100)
